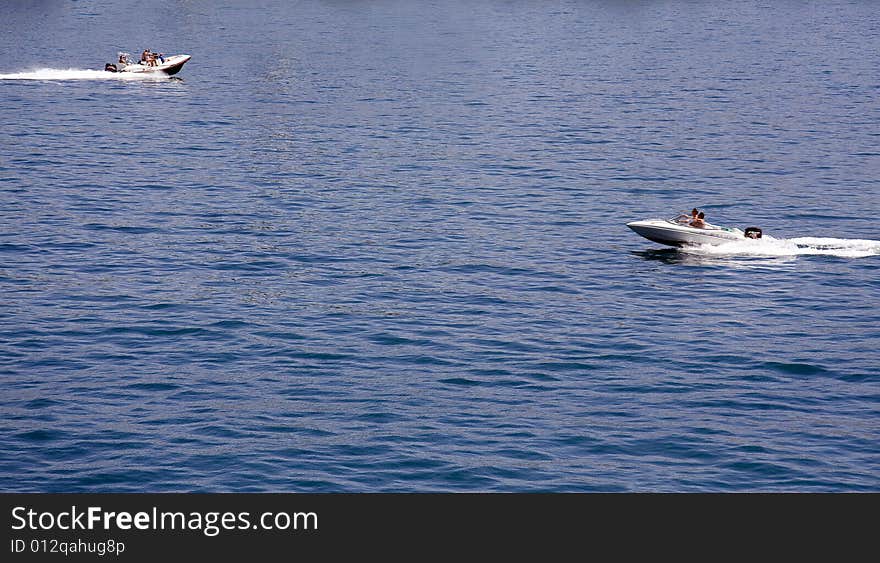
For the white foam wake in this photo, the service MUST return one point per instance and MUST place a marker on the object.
(80, 74)
(801, 246)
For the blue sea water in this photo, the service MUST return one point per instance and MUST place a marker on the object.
(381, 246)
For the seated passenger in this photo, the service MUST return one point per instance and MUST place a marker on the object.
(699, 222)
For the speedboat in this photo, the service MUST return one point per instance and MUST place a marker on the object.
(677, 232)
(165, 65)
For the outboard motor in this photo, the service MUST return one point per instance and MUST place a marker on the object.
(110, 67)
(753, 232)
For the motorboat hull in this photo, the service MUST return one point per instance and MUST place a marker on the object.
(170, 66)
(677, 234)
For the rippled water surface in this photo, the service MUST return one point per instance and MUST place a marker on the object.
(382, 246)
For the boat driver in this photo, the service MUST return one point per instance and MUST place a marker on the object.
(699, 222)
(685, 218)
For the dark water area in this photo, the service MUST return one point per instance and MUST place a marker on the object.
(382, 246)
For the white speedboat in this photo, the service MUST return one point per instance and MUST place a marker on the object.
(165, 65)
(677, 232)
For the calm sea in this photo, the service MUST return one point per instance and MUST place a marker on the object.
(372, 246)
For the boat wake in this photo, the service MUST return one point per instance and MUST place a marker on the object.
(81, 74)
(801, 246)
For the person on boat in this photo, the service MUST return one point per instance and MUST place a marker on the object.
(685, 218)
(699, 222)
(149, 58)
(110, 67)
